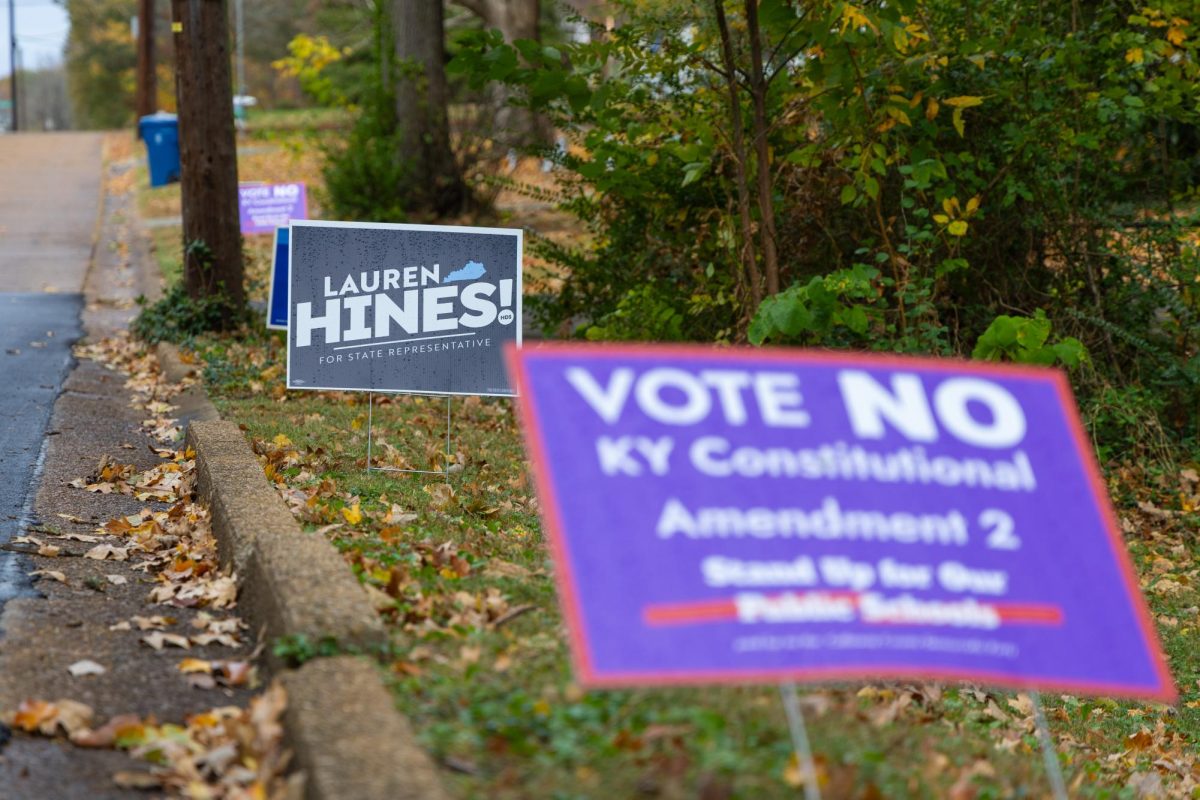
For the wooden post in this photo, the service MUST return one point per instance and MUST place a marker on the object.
(147, 84)
(12, 63)
(208, 151)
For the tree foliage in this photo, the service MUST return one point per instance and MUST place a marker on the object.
(101, 59)
(927, 164)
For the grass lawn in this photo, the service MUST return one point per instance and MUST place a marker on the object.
(478, 658)
(479, 662)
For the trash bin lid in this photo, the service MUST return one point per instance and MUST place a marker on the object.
(157, 120)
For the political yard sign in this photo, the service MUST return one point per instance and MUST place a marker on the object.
(402, 308)
(263, 207)
(734, 515)
(277, 299)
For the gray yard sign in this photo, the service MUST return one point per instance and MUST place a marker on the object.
(402, 308)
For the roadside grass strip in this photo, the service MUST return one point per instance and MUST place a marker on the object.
(478, 656)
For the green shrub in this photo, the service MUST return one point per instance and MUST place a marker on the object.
(179, 318)
(1025, 340)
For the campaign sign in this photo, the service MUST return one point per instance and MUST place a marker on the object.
(402, 308)
(277, 301)
(263, 207)
(740, 515)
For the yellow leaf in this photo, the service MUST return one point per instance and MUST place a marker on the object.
(357, 423)
(191, 665)
(958, 228)
(1176, 36)
(973, 204)
(541, 708)
(931, 109)
(957, 119)
(353, 514)
(899, 115)
(281, 440)
(941, 219)
(1134, 55)
(964, 101)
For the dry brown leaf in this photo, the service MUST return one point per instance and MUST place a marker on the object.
(158, 640)
(102, 552)
(128, 779)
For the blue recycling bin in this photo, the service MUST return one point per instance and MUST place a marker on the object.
(160, 132)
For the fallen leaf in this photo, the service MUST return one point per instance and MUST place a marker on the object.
(86, 667)
(353, 514)
(158, 640)
(102, 552)
(137, 780)
(106, 735)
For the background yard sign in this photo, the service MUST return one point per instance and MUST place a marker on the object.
(277, 302)
(402, 308)
(741, 515)
(263, 207)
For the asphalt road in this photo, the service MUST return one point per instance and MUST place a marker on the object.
(49, 199)
(36, 333)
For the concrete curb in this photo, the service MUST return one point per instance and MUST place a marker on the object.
(349, 741)
(191, 405)
(348, 738)
(294, 583)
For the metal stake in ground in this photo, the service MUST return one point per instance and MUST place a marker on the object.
(804, 756)
(1053, 768)
(444, 472)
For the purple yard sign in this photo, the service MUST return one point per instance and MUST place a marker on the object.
(263, 207)
(758, 515)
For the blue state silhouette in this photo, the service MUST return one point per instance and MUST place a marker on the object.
(470, 272)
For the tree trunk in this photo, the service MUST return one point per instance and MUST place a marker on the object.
(433, 178)
(147, 84)
(740, 157)
(766, 199)
(516, 19)
(207, 151)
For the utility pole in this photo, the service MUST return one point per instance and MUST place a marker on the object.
(147, 82)
(12, 60)
(208, 152)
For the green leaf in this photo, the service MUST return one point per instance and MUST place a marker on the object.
(693, 171)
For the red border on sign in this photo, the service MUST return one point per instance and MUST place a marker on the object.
(569, 598)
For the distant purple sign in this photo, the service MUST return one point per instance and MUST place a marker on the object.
(263, 207)
(737, 515)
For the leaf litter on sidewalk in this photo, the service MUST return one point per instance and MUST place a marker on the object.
(225, 753)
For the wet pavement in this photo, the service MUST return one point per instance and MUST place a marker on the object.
(36, 334)
(49, 202)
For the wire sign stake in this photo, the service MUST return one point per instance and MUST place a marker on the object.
(1049, 754)
(444, 472)
(804, 756)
